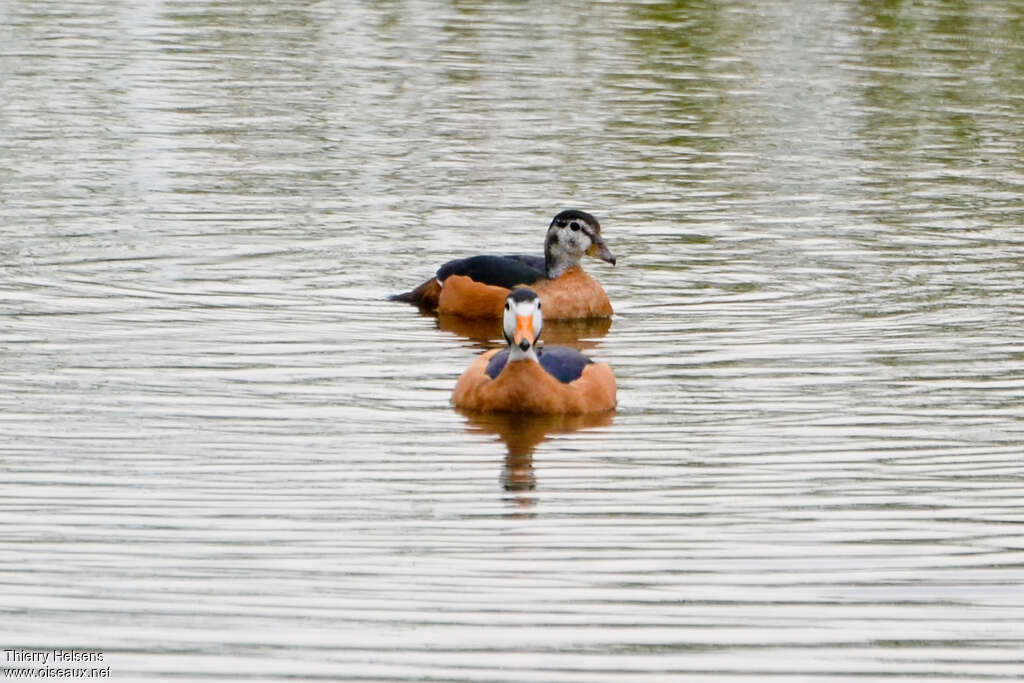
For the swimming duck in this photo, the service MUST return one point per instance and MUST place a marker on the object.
(476, 287)
(524, 379)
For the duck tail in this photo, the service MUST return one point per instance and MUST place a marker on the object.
(424, 296)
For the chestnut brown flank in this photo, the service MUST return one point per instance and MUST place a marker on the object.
(525, 387)
(573, 294)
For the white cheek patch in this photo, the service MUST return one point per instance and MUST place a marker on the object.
(578, 240)
(508, 324)
(566, 240)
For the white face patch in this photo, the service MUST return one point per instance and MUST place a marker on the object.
(530, 308)
(514, 309)
(508, 320)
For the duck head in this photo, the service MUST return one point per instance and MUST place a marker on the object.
(522, 322)
(572, 234)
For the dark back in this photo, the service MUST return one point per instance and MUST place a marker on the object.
(500, 271)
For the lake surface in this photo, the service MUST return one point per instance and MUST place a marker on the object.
(225, 455)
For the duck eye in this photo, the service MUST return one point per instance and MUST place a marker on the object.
(507, 305)
(575, 226)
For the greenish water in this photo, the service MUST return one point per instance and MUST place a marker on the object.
(224, 454)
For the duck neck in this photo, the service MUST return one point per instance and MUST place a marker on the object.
(515, 353)
(557, 261)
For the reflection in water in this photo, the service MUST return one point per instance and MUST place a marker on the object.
(575, 333)
(521, 434)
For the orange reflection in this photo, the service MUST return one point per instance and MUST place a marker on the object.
(521, 435)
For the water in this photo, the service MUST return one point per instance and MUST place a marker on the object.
(225, 455)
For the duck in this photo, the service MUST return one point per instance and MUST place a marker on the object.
(522, 378)
(477, 286)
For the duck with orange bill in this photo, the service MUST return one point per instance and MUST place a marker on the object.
(523, 378)
(476, 286)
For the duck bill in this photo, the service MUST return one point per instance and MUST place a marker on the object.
(524, 331)
(598, 249)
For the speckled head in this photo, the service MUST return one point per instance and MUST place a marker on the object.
(572, 234)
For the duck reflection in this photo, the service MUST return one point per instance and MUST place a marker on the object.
(578, 334)
(522, 433)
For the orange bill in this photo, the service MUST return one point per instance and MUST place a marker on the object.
(524, 329)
